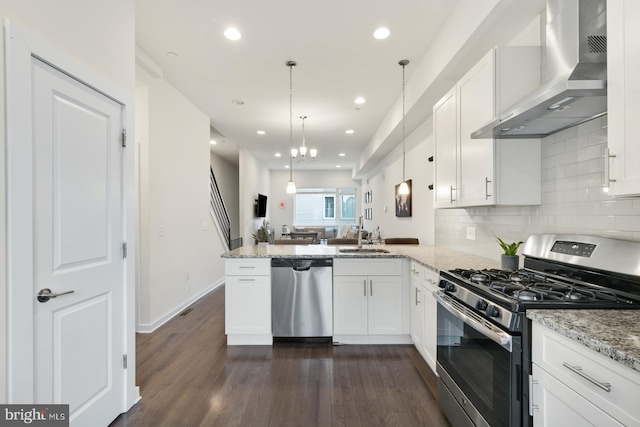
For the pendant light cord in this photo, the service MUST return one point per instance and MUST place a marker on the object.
(403, 119)
(291, 64)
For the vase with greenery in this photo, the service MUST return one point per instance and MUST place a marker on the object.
(509, 259)
(262, 234)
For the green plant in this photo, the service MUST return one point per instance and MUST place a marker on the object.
(261, 235)
(509, 248)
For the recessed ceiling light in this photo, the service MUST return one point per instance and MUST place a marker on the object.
(232, 33)
(286, 166)
(238, 102)
(360, 100)
(342, 154)
(338, 166)
(348, 131)
(213, 142)
(278, 155)
(261, 132)
(381, 33)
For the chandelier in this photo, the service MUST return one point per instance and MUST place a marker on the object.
(303, 148)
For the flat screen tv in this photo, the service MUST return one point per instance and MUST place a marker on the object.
(261, 206)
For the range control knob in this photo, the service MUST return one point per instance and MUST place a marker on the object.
(449, 287)
(492, 311)
(481, 305)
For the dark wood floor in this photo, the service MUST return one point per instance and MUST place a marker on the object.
(189, 377)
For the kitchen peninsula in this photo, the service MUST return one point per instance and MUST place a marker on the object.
(248, 290)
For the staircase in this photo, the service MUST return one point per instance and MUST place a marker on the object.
(219, 211)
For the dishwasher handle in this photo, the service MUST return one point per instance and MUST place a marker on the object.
(301, 264)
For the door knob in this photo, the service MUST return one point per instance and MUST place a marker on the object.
(45, 294)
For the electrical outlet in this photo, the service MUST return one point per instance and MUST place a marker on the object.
(471, 233)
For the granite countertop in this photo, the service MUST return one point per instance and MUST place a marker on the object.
(435, 258)
(612, 333)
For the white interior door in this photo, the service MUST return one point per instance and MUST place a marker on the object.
(78, 237)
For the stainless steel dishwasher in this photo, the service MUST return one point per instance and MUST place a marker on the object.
(302, 299)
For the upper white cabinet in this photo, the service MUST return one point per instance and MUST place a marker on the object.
(623, 87)
(480, 172)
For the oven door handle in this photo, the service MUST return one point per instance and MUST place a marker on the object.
(499, 337)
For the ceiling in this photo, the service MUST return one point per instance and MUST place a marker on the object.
(338, 60)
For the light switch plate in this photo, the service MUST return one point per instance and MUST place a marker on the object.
(471, 233)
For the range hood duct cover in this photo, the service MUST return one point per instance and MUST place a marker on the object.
(575, 88)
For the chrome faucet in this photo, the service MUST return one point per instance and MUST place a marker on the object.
(360, 227)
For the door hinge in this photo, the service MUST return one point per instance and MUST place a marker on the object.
(124, 250)
(124, 137)
(124, 361)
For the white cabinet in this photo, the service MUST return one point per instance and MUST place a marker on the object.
(417, 304)
(445, 131)
(573, 385)
(430, 321)
(248, 301)
(623, 103)
(369, 303)
(424, 282)
(477, 172)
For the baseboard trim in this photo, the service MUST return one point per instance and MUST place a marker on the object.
(149, 328)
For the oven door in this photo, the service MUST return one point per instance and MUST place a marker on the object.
(479, 366)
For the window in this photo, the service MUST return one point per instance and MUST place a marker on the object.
(324, 206)
(329, 207)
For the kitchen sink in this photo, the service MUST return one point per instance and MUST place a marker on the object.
(364, 250)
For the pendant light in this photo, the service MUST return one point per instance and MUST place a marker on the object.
(404, 187)
(291, 186)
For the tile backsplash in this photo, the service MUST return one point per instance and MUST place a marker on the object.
(573, 200)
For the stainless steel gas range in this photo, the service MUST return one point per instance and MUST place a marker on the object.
(484, 337)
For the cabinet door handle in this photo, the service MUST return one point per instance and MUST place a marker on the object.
(532, 406)
(578, 370)
(607, 168)
(370, 287)
(486, 188)
(247, 266)
(247, 280)
(451, 194)
(364, 286)
(417, 302)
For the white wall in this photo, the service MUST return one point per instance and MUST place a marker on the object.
(388, 173)
(180, 249)
(254, 178)
(278, 215)
(227, 176)
(100, 35)
(572, 200)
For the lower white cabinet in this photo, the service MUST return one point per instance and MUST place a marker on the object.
(572, 385)
(248, 301)
(423, 311)
(417, 305)
(558, 405)
(430, 328)
(369, 307)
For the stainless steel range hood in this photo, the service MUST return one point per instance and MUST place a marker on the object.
(576, 68)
